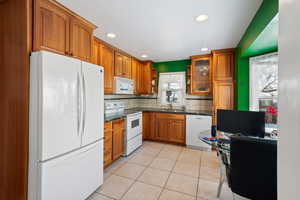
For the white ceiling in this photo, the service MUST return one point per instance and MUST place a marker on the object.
(165, 30)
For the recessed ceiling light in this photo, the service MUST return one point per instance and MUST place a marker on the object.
(202, 18)
(144, 56)
(204, 49)
(111, 35)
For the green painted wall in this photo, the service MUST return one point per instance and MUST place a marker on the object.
(260, 37)
(172, 66)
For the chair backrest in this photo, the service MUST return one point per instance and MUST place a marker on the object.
(253, 168)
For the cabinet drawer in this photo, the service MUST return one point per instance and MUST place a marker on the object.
(118, 124)
(170, 116)
(107, 126)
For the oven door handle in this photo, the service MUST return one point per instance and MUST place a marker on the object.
(134, 115)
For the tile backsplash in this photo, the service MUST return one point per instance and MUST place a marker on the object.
(203, 103)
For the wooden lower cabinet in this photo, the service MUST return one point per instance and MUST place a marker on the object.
(118, 139)
(113, 141)
(177, 131)
(223, 93)
(108, 143)
(164, 127)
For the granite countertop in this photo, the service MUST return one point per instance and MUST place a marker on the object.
(166, 110)
(161, 110)
(109, 119)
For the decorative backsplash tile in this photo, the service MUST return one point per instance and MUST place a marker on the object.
(203, 103)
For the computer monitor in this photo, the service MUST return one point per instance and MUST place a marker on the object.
(247, 123)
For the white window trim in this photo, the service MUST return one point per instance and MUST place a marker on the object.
(183, 88)
(253, 105)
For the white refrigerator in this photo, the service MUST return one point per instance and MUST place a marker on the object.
(66, 128)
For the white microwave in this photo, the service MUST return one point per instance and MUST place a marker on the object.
(123, 85)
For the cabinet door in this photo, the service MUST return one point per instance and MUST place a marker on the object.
(162, 127)
(147, 72)
(118, 64)
(118, 138)
(108, 143)
(146, 125)
(107, 61)
(201, 76)
(140, 81)
(152, 125)
(177, 131)
(126, 71)
(134, 74)
(223, 96)
(51, 28)
(81, 39)
(96, 55)
(223, 63)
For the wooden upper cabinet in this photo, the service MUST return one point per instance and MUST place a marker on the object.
(59, 30)
(127, 67)
(96, 54)
(144, 77)
(118, 64)
(104, 55)
(147, 77)
(134, 74)
(140, 81)
(52, 26)
(81, 38)
(223, 65)
(107, 62)
(122, 65)
(200, 75)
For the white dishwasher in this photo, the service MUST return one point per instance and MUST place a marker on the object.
(198, 126)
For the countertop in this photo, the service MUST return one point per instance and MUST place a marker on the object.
(161, 110)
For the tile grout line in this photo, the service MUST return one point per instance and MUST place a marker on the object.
(154, 156)
(199, 176)
(164, 186)
(135, 180)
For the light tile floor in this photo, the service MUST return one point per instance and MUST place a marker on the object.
(158, 171)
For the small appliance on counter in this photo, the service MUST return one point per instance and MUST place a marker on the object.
(123, 85)
(134, 128)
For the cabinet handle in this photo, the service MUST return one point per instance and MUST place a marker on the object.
(67, 53)
(71, 54)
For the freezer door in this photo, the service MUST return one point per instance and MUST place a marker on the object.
(74, 176)
(93, 114)
(58, 107)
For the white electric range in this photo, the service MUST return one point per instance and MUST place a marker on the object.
(133, 137)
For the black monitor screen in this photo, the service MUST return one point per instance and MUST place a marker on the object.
(244, 122)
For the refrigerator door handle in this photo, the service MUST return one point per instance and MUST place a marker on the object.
(84, 104)
(79, 103)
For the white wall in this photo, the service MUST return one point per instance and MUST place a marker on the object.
(289, 100)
